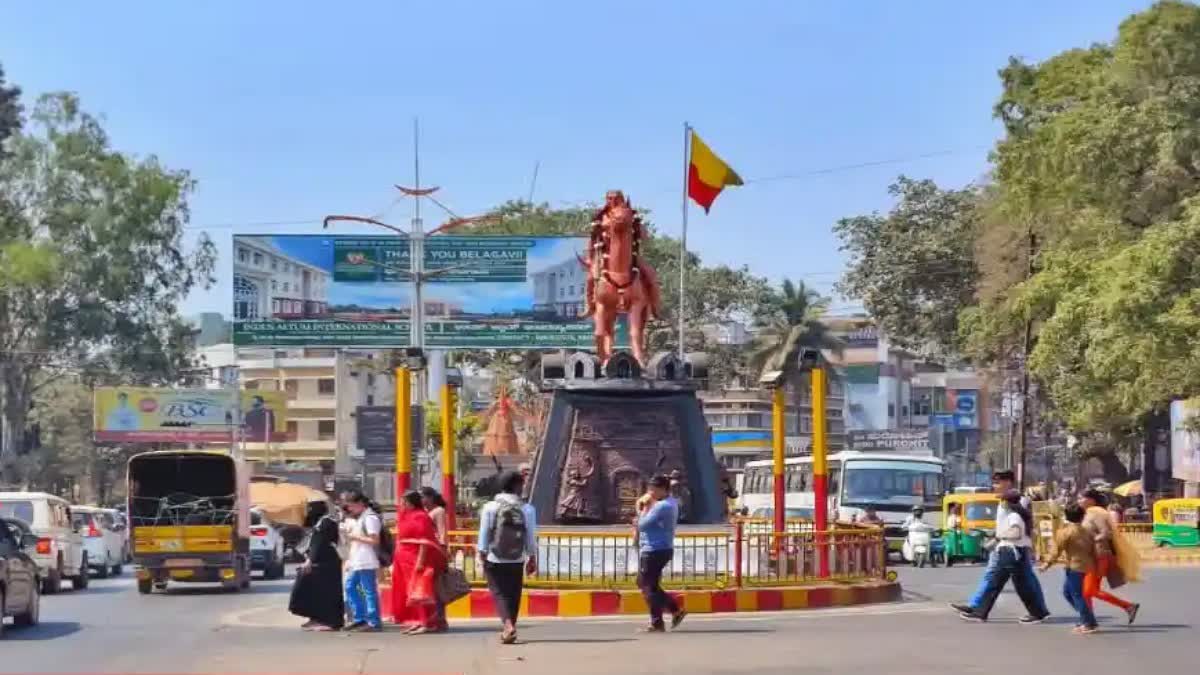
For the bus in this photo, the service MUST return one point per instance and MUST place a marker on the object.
(891, 482)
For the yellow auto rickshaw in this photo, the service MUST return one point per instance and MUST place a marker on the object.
(976, 518)
(1177, 522)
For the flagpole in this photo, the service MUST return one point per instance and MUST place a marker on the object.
(687, 138)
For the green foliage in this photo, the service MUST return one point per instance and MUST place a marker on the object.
(914, 268)
(94, 265)
(10, 111)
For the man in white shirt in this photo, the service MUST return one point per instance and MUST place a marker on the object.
(362, 564)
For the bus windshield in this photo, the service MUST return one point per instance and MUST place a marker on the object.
(893, 483)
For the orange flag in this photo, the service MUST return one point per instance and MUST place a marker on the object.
(707, 174)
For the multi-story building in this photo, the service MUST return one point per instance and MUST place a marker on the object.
(560, 289)
(323, 388)
(728, 333)
(270, 284)
(741, 423)
(877, 376)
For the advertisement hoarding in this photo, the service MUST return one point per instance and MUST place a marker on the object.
(1185, 443)
(377, 433)
(356, 291)
(149, 415)
(914, 441)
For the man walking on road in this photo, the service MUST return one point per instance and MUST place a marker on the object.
(1004, 482)
(656, 535)
(507, 547)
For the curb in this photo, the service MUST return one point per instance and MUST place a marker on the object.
(584, 603)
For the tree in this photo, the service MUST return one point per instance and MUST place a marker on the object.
(92, 263)
(914, 269)
(10, 111)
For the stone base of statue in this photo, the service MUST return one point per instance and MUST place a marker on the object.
(610, 429)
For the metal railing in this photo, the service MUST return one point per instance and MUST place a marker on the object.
(1140, 535)
(733, 557)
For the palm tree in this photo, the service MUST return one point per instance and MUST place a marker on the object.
(792, 322)
(791, 325)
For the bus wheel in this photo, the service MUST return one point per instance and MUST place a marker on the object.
(145, 586)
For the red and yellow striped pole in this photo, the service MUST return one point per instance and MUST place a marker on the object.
(403, 432)
(449, 487)
(820, 470)
(777, 436)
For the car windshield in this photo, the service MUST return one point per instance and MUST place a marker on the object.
(17, 509)
(981, 511)
(893, 483)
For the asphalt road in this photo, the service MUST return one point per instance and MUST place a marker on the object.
(111, 629)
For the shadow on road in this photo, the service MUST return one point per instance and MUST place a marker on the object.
(722, 631)
(1144, 628)
(260, 588)
(571, 640)
(46, 630)
(95, 589)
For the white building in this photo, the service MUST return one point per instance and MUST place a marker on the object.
(269, 284)
(560, 289)
(728, 333)
(323, 388)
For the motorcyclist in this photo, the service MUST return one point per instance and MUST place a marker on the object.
(916, 517)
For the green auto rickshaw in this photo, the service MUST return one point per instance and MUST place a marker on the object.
(974, 517)
(1177, 522)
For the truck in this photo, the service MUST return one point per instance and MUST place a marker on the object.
(189, 515)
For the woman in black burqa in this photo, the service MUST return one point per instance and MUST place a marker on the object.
(317, 593)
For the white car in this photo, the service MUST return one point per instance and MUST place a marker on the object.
(59, 552)
(266, 546)
(103, 539)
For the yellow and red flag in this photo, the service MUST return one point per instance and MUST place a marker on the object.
(707, 174)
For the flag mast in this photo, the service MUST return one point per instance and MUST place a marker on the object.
(687, 138)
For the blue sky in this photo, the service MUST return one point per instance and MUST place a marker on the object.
(286, 112)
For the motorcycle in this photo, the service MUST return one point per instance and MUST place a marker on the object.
(918, 545)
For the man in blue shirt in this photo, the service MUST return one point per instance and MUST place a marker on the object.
(656, 535)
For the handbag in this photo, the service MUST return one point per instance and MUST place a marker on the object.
(452, 584)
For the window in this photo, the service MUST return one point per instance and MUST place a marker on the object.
(252, 385)
(293, 430)
(274, 264)
(904, 411)
(274, 285)
(287, 268)
(325, 387)
(891, 410)
(21, 510)
(754, 421)
(370, 399)
(326, 430)
(292, 387)
(243, 255)
(370, 379)
(275, 305)
(245, 298)
(285, 287)
(258, 258)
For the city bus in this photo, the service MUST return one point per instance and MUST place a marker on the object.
(891, 482)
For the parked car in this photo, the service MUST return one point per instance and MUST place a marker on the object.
(59, 551)
(20, 584)
(103, 539)
(266, 546)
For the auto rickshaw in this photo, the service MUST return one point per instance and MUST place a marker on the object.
(977, 514)
(1177, 522)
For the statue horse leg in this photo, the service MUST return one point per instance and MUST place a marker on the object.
(638, 313)
(603, 320)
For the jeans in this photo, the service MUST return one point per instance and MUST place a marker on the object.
(988, 573)
(362, 597)
(649, 580)
(1073, 592)
(1027, 574)
(1010, 564)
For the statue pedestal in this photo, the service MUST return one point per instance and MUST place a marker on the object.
(605, 437)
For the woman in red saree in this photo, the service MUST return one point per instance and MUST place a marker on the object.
(419, 560)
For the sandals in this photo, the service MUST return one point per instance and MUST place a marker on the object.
(508, 636)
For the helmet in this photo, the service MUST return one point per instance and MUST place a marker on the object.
(918, 509)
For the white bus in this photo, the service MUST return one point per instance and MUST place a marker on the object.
(891, 482)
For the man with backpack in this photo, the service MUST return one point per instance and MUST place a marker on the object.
(364, 531)
(507, 547)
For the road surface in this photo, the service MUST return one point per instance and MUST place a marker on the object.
(110, 628)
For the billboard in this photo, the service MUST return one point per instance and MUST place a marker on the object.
(915, 441)
(356, 291)
(1185, 442)
(147, 414)
(377, 433)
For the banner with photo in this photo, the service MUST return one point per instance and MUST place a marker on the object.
(151, 414)
(357, 291)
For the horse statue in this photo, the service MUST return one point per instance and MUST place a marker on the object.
(619, 281)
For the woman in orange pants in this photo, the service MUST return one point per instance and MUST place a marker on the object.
(1100, 525)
